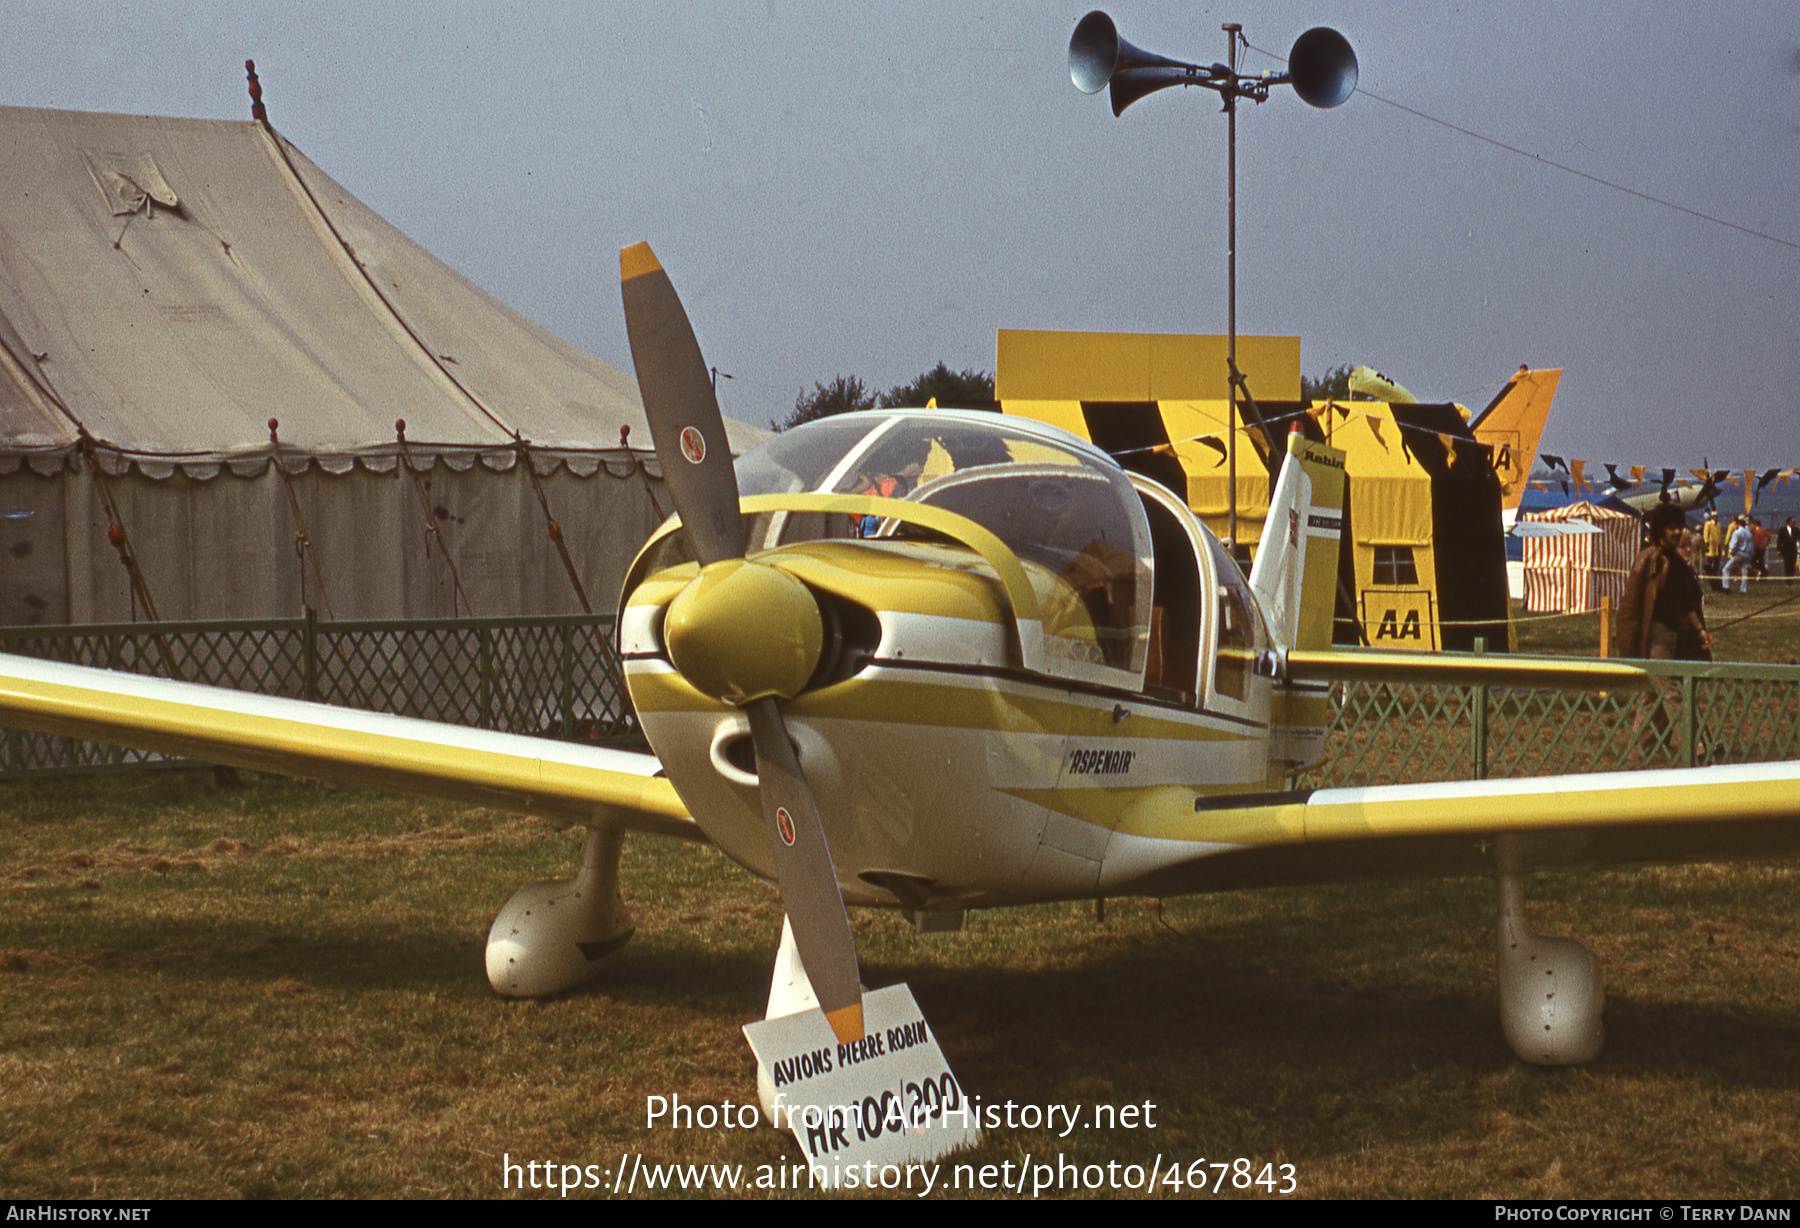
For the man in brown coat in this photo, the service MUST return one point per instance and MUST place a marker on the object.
(1660, 618)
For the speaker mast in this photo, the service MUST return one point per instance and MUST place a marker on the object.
(1321, 68)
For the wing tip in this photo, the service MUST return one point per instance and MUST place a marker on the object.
(637, 260)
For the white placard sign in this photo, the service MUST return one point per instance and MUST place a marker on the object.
(888, 1099)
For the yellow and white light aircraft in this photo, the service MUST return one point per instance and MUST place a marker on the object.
(938, 661)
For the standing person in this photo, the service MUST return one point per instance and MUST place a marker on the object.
(1661, 618)
(1660, 614)
(1759, 546)
(1787, 542)
(1714, 537)
(1740, 547)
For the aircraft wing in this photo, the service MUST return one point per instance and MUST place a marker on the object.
(1442, 829)
(564, 782)
(1400, 666)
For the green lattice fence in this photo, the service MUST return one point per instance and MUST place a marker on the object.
(1698, 713)
(553, 677)
(559, 677)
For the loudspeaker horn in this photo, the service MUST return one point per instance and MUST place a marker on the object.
(1322, 67)
(1099, 57)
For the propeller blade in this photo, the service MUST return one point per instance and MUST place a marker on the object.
(680, 405)
(690, 441)
(809, 888)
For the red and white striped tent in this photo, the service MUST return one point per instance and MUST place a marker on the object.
(1581, 569)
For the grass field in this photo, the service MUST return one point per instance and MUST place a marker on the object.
(1763, 625)
(276, 990)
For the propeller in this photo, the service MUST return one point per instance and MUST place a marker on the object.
(742, 631)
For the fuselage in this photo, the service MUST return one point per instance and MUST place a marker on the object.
(974, 735)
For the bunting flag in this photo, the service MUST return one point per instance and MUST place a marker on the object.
(1574, 475)
(1699, 487)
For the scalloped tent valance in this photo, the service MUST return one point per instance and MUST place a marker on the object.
(616, 464)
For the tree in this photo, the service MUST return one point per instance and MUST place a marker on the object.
(845, 394)
(969, 389)
(1334, 385)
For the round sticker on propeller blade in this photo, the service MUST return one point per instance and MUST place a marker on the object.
(693, 444)
(784, 823)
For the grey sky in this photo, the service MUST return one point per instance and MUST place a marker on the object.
(868, 189)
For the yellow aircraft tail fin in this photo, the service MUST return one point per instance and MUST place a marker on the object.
(1513, 423)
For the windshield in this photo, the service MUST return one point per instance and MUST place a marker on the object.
(800, 459)
(1070, 516)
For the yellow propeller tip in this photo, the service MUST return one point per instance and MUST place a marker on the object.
(637, 260)
(846, 1023)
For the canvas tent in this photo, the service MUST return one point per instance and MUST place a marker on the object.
(1584, 566)
(169, 285)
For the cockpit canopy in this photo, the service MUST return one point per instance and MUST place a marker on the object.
(1064, 508)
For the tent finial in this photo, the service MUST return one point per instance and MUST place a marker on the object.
(257, 111)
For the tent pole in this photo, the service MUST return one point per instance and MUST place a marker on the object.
(431, 525)
(550, 525)
(115, 533)
(301, 535)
